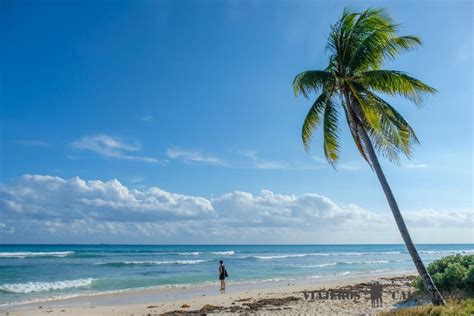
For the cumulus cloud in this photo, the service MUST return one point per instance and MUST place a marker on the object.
(193, 156)
(279, 210)
(42, 205)
(47, 197)
(112, 147)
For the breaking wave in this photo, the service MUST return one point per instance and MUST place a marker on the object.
(225, 253)
(27, 254)
(322, 265)
(436, 252)
(30, 287)
(325, 254)
(150, 263)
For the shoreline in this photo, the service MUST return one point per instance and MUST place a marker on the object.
(160, 300)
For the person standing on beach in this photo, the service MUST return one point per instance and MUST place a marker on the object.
(222, 274)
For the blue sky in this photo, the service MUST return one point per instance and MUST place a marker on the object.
(195, 98)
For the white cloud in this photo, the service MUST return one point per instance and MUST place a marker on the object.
(253, 161)
(278, 210)
(47, 197)
(416, 166)
(193, 156)
(137, 158)
(112, 147)
(440, 218)
(92, 211)
(261, 163)
(105, 145)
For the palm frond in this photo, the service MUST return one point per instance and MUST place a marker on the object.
(353, 29)
(403, 133)
(313, 119)
(381, 133)
(396, 83)
(397, 45)
(311, 80)
(331, 133)
(372, 31)
(387, 128)
(354, 125)
(369, 53)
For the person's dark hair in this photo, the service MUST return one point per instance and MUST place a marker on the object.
(221, 262)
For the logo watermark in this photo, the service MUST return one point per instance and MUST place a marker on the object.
(375, 291)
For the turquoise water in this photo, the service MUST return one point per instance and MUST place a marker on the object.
(37, 272)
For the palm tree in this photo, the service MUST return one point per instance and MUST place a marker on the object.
(359, 45)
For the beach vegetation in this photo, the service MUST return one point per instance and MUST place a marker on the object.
(452, 273)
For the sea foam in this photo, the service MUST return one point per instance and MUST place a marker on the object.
(283, 256)
(225, 253)
(322, 265)
(35, 254)
(432, 252)
(366, 262)
(325, 254)
(164, 262)
(30, 287)
(151, 262)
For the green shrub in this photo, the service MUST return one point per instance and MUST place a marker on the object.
(451, 273)
(470, 276)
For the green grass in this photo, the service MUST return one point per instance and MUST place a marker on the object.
(455, 307)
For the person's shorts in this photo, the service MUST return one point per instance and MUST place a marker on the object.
(222, 277)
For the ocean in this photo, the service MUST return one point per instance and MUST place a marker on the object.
(31, 273)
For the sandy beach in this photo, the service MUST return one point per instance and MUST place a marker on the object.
(317, 297)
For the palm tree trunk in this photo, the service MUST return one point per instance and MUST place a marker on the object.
(430, 287)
